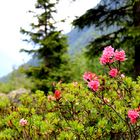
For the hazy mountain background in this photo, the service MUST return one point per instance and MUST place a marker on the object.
(77, 40)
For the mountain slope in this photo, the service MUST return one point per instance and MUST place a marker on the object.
(77, 40)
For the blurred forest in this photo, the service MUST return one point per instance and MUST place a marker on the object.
(59, 57)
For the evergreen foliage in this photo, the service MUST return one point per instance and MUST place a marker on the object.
(124, 17)
(51, 47)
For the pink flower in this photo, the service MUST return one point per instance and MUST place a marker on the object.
(23, 122)
(122, 76)
(113, 72)
(108, 50)
(120, 55)
(105, 59)
(57, 94)
(107, 56)
(88, 76)
(94, 85)
(133, 115)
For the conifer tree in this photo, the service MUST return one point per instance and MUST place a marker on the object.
(123, 15)
(51, 47)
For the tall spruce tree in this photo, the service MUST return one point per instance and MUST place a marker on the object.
(51, 47)
(123, 15)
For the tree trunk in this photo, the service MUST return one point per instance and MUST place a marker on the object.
(136, 11)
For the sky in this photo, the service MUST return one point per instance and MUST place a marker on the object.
(14, 15)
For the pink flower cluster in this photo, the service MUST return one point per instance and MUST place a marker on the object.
(113, 72)
(92, 80)
(23, 122)
(88, 76)
(120, 55)
(94, 85)
(109, 56)
(133, 115)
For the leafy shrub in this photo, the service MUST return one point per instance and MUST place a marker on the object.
(77, 114)
(106, 109)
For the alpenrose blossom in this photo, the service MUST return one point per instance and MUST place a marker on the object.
(23, 122)
(122, 76)
(113, 72)
(88, 76)
(133, 115)
(57, 94)
(119, 55)
(107, 56)
(94, 85)
(109, 50)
